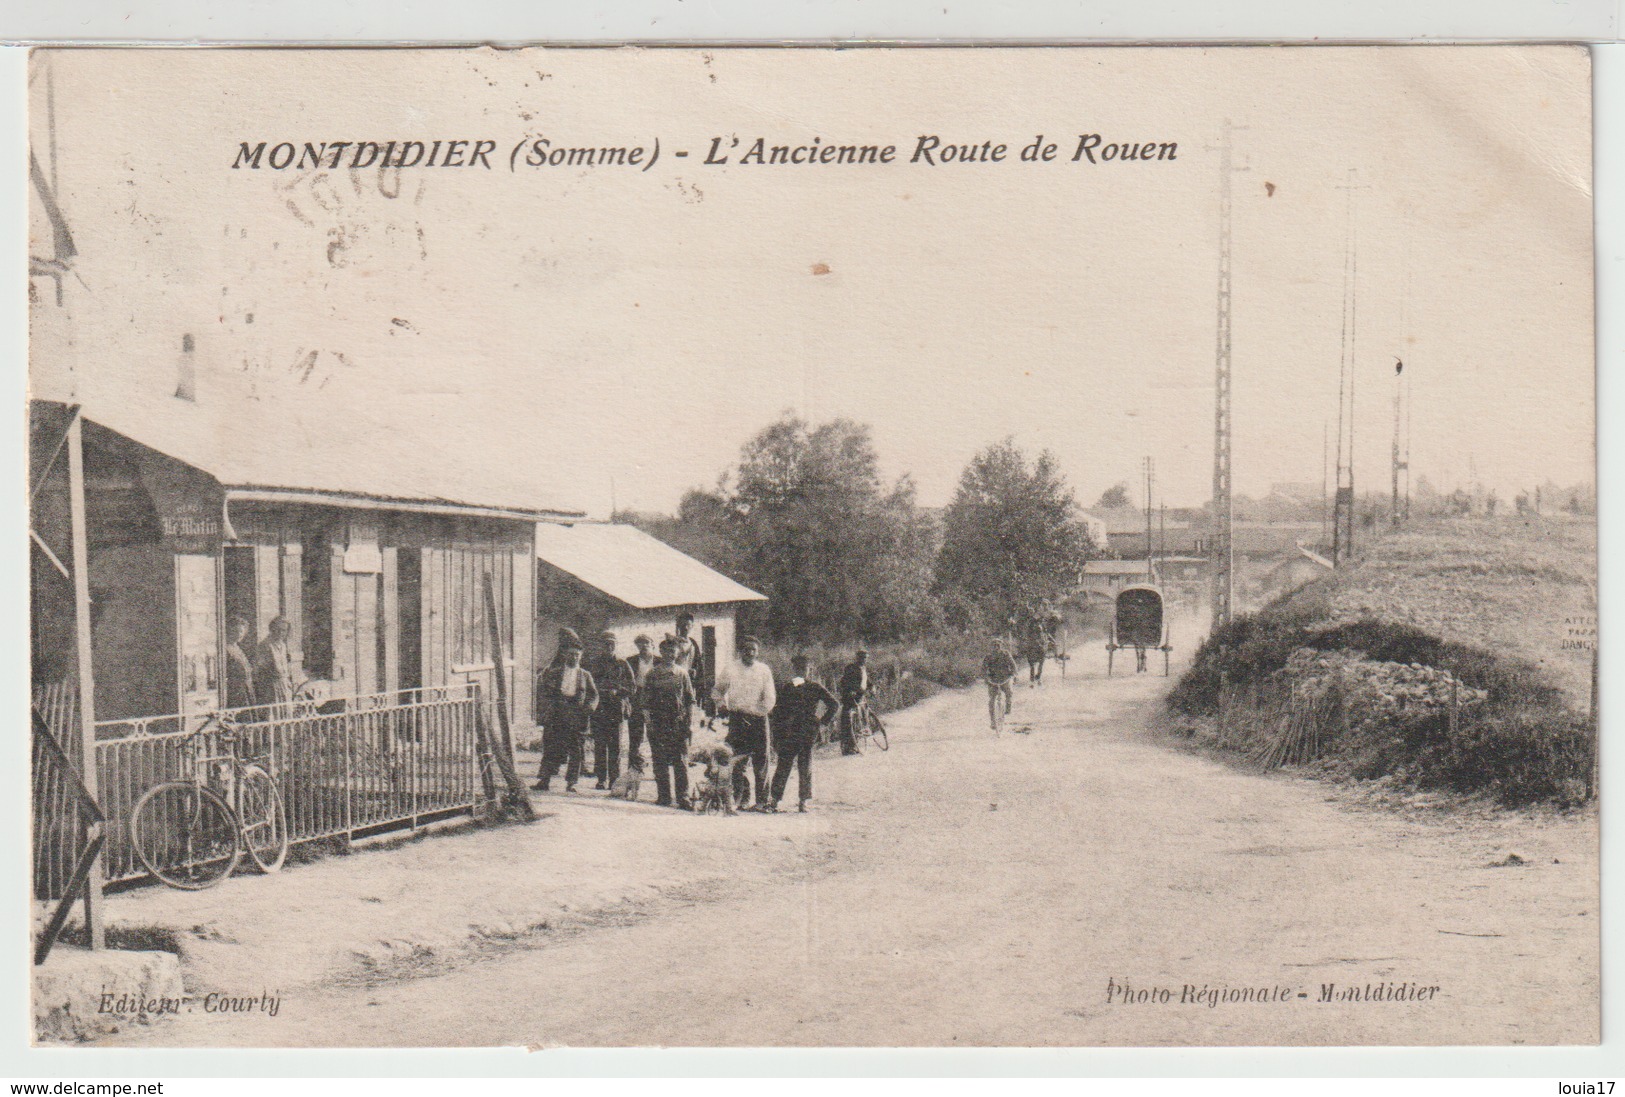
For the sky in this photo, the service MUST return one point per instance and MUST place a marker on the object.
(615, 333)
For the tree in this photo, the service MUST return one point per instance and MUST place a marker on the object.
(1011, 537)
(805, 519)
(1114, 496)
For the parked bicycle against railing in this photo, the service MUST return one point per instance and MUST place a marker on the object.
(191, 832)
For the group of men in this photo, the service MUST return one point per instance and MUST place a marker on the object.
(656, 694)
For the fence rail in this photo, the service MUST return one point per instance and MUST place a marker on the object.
(345, 767)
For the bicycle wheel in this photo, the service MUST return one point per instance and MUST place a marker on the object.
(877, 732)
(185, 835)
(265, 822)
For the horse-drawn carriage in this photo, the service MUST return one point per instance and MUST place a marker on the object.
(1140, 621)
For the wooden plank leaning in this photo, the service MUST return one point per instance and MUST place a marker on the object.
(517, 801)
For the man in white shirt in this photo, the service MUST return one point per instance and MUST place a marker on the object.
(745, 692)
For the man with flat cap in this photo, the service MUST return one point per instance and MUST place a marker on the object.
(565, 696)
(690, 656)
(636, 719)
(613, 677)
(666, 699)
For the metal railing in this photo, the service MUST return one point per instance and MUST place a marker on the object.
(349, 766)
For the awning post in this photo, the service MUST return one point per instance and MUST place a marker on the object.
(86, 677)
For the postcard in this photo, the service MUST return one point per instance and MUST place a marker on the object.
(813, 547)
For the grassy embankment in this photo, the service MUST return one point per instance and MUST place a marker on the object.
(1438, 660)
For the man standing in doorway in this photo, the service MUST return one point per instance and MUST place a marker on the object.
(667, 697)
(746, 695)
(856, 686)
(641, 664)
(239, 671)
(273, 665)
(613, 677)
(567, 694)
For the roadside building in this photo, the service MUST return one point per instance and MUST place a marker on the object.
(600, 576)
(375, 557)
(1100, 580)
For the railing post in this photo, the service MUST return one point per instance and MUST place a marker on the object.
(86, 675)
(345, 723)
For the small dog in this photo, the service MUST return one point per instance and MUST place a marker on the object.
(627, 784)
(714, 791)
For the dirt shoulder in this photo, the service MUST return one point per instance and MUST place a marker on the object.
(430, 905)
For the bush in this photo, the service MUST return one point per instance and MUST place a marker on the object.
(1524, 756)
(904, 674)
(1515, 738)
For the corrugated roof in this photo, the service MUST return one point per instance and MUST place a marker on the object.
(633, 567)
(266, 444)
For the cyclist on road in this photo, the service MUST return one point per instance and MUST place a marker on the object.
(857, 684)
(999, 671)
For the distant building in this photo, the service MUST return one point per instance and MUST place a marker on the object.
(1100, 580)
(1124, 529)
(1301, 494)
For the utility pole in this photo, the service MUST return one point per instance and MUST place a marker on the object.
(1325, 481)
(1224, 585)
(1396, 512)
(1405, 513)
(1343, 501)
(1149, 468)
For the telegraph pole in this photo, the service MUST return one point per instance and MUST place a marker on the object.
(1396, 512)
(1149, 467)
(1343, 500)
(1223, 504)
(1325, 481)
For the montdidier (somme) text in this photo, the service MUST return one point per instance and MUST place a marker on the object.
(540, 152)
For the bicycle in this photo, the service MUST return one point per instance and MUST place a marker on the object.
(866, 725)
(996, 712)
(190, 836)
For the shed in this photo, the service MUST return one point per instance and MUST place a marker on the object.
(602, 576)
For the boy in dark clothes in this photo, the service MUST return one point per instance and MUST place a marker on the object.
(613, 677)
(796, 720)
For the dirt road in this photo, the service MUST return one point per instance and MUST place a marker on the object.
(973, 891)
